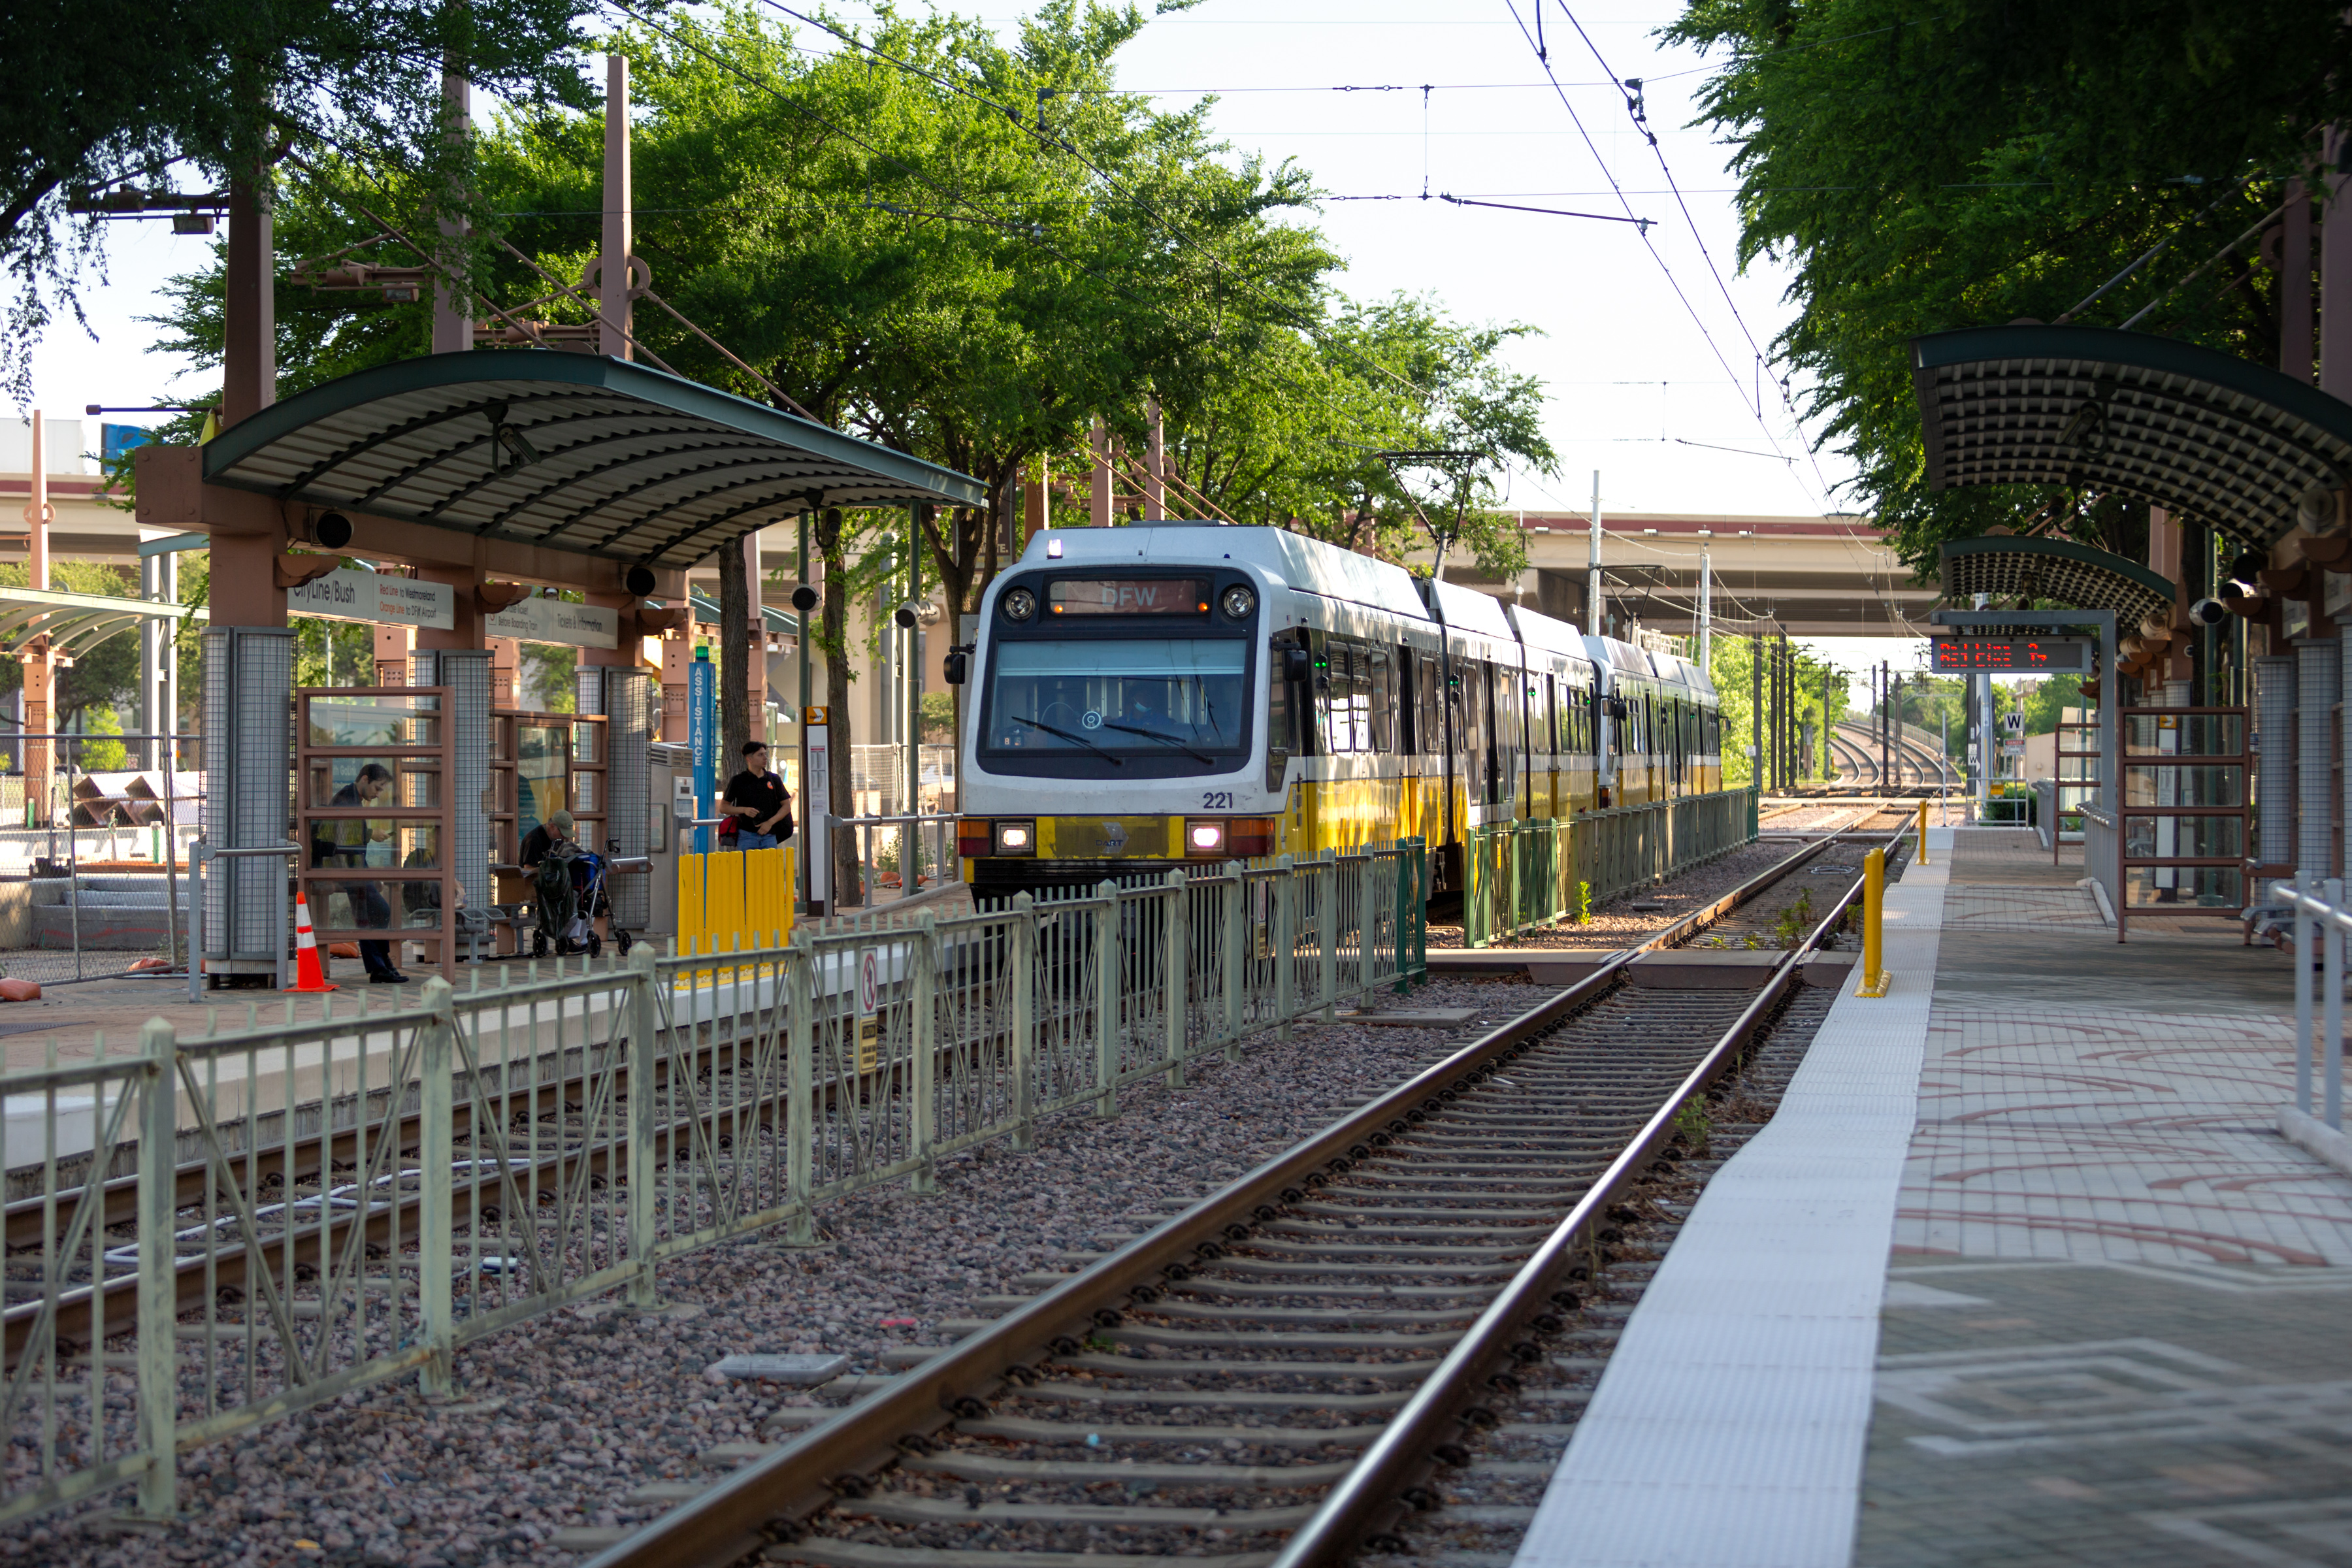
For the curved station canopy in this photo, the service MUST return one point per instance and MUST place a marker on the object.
(564, 451)
(76, 623)
(2229, 442)
(2056, 570)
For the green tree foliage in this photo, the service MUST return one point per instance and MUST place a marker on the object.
(116, 92)
(1991, 160)
(1291, 440)
(963, 247)
(1731, 664)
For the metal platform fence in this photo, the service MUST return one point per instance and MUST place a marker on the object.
(219, 1232)
(1524, 875)
(2319, 910)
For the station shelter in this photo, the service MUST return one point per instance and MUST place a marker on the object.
(2218, 700)
(493, 477)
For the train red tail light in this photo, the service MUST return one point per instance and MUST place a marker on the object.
(1248, 838)
(974, 836)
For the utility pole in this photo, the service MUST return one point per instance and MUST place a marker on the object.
(1600, 624)
(40, 668)
(1706, 608)
(1755, 710)
(1787, 673)
(1886, 752)
(616, 329)
(1827, 675)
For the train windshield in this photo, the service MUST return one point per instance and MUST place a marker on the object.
(1117, 694)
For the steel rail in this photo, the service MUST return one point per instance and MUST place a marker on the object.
(1386, 1482)
(766, 1500)
(832, 1460)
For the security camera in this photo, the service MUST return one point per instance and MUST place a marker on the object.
(2208, 613)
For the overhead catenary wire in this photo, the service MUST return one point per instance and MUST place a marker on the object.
(1035, 128)
(1673, 282)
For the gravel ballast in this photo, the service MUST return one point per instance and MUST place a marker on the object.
(559, 1420)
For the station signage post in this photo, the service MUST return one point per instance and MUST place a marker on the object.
(702, 738)
(816, 794)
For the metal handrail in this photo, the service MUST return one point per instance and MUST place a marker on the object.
(2321, 905)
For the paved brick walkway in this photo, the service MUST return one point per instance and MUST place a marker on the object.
(2115, 1329)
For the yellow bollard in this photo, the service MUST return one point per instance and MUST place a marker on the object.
(1923, 832)
(1876, 979)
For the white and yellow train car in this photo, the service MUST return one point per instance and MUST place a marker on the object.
(1152, 697)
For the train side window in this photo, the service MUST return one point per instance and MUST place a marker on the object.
(1330, 702)
(1383, 699)
(1429, 705)
(1408, 683)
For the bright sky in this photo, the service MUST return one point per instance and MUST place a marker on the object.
(1651, 374)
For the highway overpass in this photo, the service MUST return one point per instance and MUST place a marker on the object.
(1810, 576)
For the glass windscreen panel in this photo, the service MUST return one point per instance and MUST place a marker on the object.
(1128, 596)
(2184, 784)
(2184, 734)
(389, 721)
(360, 781)
(542, 773)
(2184, 837)
(2154, 888)
(1123, 695)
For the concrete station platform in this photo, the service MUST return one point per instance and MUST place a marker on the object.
(2021, 1272)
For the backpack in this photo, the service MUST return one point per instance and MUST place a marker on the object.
(553, 881)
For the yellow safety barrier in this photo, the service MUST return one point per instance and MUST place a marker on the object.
(1923, 833)
(1875, 979)
(732, 900)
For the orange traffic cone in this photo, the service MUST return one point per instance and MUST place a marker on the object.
(309, 975)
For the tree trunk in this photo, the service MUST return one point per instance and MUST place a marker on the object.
(735, 648)
(834, 635)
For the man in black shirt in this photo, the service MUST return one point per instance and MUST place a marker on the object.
(344, 841)
(759, 802)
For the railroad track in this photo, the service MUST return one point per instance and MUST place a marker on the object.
(1277, 1374)
(1915, 762)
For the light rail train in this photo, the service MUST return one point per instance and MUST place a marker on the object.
(1160, 695)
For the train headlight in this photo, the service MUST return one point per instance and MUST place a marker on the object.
(1239, 602)
(1016, 839)
(1020, 605)
(1205, 838)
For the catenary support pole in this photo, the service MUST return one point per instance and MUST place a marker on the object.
(1593, 601)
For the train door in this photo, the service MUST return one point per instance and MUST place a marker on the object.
(1509, 737)
(1551, 787)
(1474, 735)
(1605, 744)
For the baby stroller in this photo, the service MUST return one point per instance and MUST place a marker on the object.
(571, 894)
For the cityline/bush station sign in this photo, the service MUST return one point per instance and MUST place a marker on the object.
(385, 598)
(2011, 656)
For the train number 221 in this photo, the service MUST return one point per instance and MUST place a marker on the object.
(1217, 800)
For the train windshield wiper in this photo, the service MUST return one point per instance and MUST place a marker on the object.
(1081, 740)
(1155, 736)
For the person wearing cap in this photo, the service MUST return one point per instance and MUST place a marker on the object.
(539, 841)
(759, 802)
